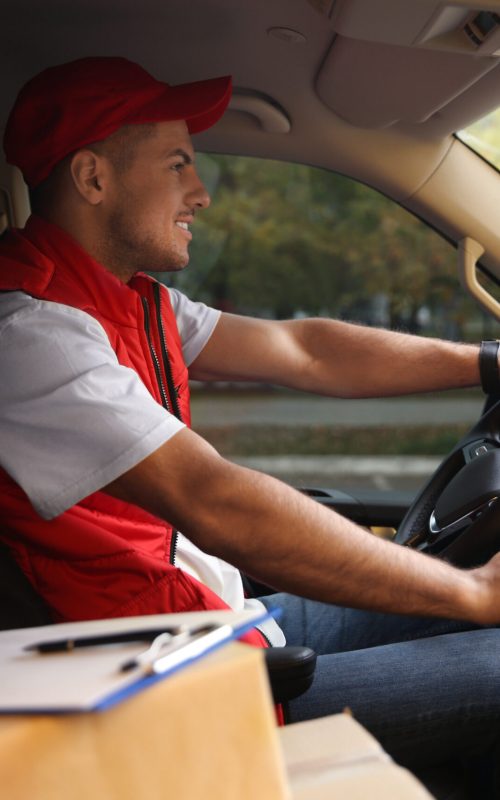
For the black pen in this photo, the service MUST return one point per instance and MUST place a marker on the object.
(66, 645)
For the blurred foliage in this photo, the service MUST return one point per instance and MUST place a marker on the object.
(283, 240)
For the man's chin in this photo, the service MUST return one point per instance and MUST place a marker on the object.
(172, 265)
(171, 269)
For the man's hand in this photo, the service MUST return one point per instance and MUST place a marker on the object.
(287, 541)
(487, 580)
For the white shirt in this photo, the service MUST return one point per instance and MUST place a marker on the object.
(63, 392)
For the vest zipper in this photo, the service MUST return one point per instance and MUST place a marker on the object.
(168, 373)
(154, 357)
(164, 351)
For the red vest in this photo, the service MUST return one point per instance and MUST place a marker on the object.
(103, 557)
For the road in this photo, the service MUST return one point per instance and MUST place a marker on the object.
(283, 409)
(384, 473)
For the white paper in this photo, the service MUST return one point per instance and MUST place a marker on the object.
(82, 679)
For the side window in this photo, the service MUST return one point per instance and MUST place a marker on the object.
(285, 240)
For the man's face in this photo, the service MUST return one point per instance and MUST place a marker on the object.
(152, 202)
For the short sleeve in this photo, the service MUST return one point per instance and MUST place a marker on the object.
(72, 418)
(196, 323)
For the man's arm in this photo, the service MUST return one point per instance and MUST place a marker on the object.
(333, 358)
(288, 541)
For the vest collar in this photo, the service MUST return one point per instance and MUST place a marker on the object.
(62, 254)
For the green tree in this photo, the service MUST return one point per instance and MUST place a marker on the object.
(281, 239)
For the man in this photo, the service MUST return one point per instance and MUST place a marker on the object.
(101, 471)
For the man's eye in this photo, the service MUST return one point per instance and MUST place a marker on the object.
(178, 166)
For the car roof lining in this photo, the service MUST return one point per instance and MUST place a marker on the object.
(339, 51)
(402, 155)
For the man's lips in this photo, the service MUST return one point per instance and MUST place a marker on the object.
(183, 225)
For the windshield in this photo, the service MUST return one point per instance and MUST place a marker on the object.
(483, 136)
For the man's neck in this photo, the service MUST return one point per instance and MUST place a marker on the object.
(90, 239)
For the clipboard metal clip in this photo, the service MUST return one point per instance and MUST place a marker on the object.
(168, 650)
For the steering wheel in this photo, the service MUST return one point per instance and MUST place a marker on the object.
(456, 516)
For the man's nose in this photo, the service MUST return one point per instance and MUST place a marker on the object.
(198, 195)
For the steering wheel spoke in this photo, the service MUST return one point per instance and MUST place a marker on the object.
(456, 516)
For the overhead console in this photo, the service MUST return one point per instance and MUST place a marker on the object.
(400, 61)
(464, 26)
(482, 29)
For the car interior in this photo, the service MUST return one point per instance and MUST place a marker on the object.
(375, 90)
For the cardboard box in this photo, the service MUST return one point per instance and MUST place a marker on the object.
(336, 758)
(208, 731)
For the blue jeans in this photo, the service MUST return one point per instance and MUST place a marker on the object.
(428, 689)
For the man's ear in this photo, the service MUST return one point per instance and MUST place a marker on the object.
(88, 171)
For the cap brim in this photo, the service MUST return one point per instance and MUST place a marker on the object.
(201, 104)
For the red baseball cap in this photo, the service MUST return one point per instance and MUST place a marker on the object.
(72, 105)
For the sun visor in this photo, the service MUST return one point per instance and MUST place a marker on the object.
(374, 85)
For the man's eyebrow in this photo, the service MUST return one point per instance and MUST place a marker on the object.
(182, 153)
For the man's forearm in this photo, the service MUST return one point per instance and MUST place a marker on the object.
(355, 361)
(296, 545)
(333, 358)
(290, 542)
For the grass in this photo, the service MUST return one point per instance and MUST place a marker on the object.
(277, 440)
